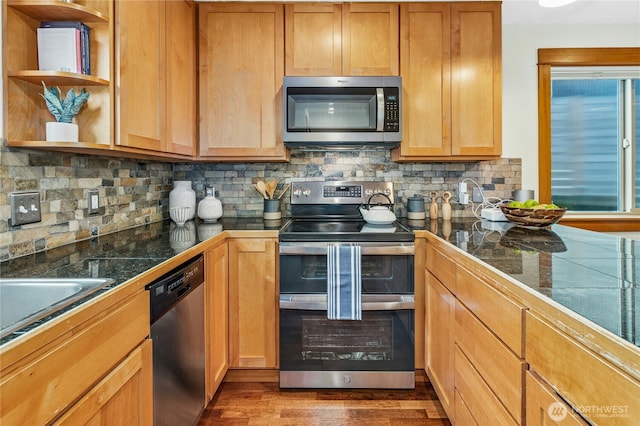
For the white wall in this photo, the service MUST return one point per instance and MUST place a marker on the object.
(528, 27)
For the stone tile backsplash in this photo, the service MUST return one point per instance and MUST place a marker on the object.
(134, 192)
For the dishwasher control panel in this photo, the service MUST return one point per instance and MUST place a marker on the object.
(167, 290)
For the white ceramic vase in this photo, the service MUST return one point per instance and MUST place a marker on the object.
(61, 132)
(182, 195)
(210, 208)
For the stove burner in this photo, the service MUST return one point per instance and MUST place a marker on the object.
(328, 211)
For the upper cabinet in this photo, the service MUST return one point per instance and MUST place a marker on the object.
(452, 81)
(155, 90)
(26, 112)
(324, 39)
(241, 53)
(142, 81)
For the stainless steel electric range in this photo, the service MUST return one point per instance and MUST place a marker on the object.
(376, 351)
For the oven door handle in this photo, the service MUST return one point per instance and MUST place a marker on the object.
(366, 249)
(370, 302)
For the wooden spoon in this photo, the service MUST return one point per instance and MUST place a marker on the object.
(271, 187)
(261, 188)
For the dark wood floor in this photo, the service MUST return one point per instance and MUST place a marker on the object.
(264, 403)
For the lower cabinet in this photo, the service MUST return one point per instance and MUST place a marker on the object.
(216, 317)
(545, 407)
(94, 367)
(439, 322)
(601, 391)
(473, 354)
(253, 301)
(124, 397)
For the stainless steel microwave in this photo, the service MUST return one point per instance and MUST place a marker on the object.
(342, 111)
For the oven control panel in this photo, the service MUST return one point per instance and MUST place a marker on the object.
(344, 192)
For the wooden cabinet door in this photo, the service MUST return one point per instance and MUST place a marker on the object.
(476, 79)
(181, 77)
(370, 39)
(123, 397)
(426, 72)
(217, 317)
(140, 74)
(440, 311)
(545, 407)
(241, 68)
(313, 36)
(253, 298)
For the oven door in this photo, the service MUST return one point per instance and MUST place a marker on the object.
(386, 268)
(375, 352)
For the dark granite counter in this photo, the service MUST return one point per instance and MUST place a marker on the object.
(120, 255)
(593, 274)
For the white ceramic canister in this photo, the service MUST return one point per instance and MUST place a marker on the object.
(182, 195)
(210, 208)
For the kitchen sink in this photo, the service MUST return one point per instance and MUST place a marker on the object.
(26, 300)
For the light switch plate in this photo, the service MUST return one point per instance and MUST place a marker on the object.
(93, 201)
(25, 207)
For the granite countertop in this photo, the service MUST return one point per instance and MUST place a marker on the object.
(120, 255)
(593, 274)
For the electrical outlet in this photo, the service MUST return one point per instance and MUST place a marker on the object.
(25, 207)
(463, 197)
(93, 201)
(476, 195)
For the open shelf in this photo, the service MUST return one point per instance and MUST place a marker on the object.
(57, 11)
(58, 78)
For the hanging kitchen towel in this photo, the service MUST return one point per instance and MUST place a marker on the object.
(344, 283)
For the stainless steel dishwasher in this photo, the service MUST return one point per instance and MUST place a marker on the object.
(177, 331)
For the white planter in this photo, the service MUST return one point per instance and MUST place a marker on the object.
(61, 132)
(182, 195)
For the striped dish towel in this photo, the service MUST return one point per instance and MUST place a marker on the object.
(344, 287)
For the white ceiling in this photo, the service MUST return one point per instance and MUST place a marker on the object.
(580, 12)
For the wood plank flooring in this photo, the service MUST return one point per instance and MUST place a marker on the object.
(264, 403)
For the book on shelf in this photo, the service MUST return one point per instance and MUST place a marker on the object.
(64, 46)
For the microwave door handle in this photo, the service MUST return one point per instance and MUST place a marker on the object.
(373, 302)
(380, 116)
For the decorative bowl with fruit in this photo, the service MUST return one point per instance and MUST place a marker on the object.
(532, 213)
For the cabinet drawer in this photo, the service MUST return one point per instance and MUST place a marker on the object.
(582, 377)
(497, 365)
(483, 405)
(543, 404)
(60, 376)
(499, 313)
(441, 266)
(463, 415)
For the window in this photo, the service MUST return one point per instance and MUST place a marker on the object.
(588, 129)
(595, 119)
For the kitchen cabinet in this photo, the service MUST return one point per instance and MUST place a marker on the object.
(241, 54)
(117, 399)
(475, 359)
(137, 108)
(217, 316)
(545, 407)
(92, 364)
(450, 63)
(253, 303)
(440, 307)
(585, 379)
(27, 114)
(439, 326)
(341, 39)
(155, 79)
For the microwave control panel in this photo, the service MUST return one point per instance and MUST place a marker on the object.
(391, 109)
